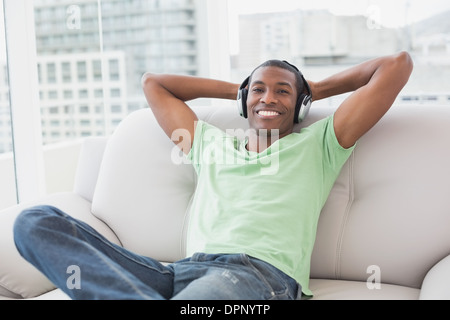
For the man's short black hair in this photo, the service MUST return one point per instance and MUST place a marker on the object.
(287, 66)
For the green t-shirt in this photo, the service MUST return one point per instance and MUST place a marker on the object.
(264, 204)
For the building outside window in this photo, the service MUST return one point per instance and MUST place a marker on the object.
(325, 37)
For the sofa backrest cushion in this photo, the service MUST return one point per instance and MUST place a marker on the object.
(141, 193)
(388, 216)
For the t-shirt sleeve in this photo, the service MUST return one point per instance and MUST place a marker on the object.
(334, 154)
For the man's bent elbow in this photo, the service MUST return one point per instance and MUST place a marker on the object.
(146, 79)
(405, 62)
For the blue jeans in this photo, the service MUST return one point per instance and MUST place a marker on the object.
(85, 265)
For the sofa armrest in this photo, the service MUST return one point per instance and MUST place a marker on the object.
(18, 278)
(435, 286)
(90, 159)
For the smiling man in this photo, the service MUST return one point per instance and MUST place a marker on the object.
(251, 230)
(272, 110)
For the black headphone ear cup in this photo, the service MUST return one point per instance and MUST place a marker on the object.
(242, 99)
(242, 102)
(244, 94)
(298, 108)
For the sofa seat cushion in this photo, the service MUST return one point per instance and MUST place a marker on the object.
(325, 289)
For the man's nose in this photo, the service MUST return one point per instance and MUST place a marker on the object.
(269, 98)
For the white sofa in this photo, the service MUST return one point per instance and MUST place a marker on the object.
(383, 234)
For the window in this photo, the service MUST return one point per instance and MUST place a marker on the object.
(323, 37)
(114, 73)
(68, 94)
(115, 93)
(51, 73)
(85, 123)
(53, 95)
(116, 109)
(98, 93)
(97, 70)
(53, 110)
(66, 72)
(86, 82)
(82, 71)
(83, 94)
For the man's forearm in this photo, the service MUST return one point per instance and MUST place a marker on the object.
(349, 80)
(188, 88)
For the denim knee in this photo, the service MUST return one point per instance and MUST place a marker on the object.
(28, 220)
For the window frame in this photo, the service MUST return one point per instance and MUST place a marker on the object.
(24, 99)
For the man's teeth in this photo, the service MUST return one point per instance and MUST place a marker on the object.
(268, 113)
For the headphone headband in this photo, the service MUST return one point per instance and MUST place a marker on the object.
(305, 83)
(245, 83)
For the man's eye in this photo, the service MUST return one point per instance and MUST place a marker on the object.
(257, 90)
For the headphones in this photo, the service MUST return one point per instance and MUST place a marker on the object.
(301, 108)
